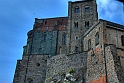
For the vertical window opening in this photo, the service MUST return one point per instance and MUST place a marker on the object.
(77, 10)
(76, 49)
(89, 44)
(122, 40)
(97, 38)
(45, 22)
(40, 50)
(64, 39)
(60, 50)
(76, 38)
(76, 24)
(31, 81)
(87, 24)
(87, 9)
(44, 38)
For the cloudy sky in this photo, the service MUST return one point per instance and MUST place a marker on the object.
(17, 18)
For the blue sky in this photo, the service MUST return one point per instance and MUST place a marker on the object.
(17, 18)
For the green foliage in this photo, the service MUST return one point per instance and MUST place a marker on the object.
(71, 70)
(58, 72)
(49, 79)
(69, 82)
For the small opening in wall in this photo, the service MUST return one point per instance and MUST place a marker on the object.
(63, 39)
(76, 38)
(40, 50)
(87, 24)
(87, 9)
(76, 24)
(77, 10)
(76, 49)
(89, 44)
(45, 22)
(31, 81)
(122, 40)
(97, 38)
(44, 38)
(38, 64)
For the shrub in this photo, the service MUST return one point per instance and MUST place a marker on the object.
(71, 70)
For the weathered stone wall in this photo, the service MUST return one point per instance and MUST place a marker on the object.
(17, 71)
(115, 72)
(95, 62)
(20, 72)
(113, 36)
(31, 67)
(121, 55)
(36, 68)
(59, 66)
(96, 66)
(91, 35)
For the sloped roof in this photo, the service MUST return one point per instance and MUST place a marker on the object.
(113, 25)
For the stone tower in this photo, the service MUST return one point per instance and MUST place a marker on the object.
(81, 16)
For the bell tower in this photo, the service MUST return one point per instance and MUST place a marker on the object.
(81, 16)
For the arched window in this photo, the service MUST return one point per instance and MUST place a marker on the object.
(64, 39)
(77, 10)
(97, 38)
(122, 40)
(89, 44)
(31, 81)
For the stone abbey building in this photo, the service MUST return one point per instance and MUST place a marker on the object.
(79, 48)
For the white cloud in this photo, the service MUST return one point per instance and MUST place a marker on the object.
(109, 9)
